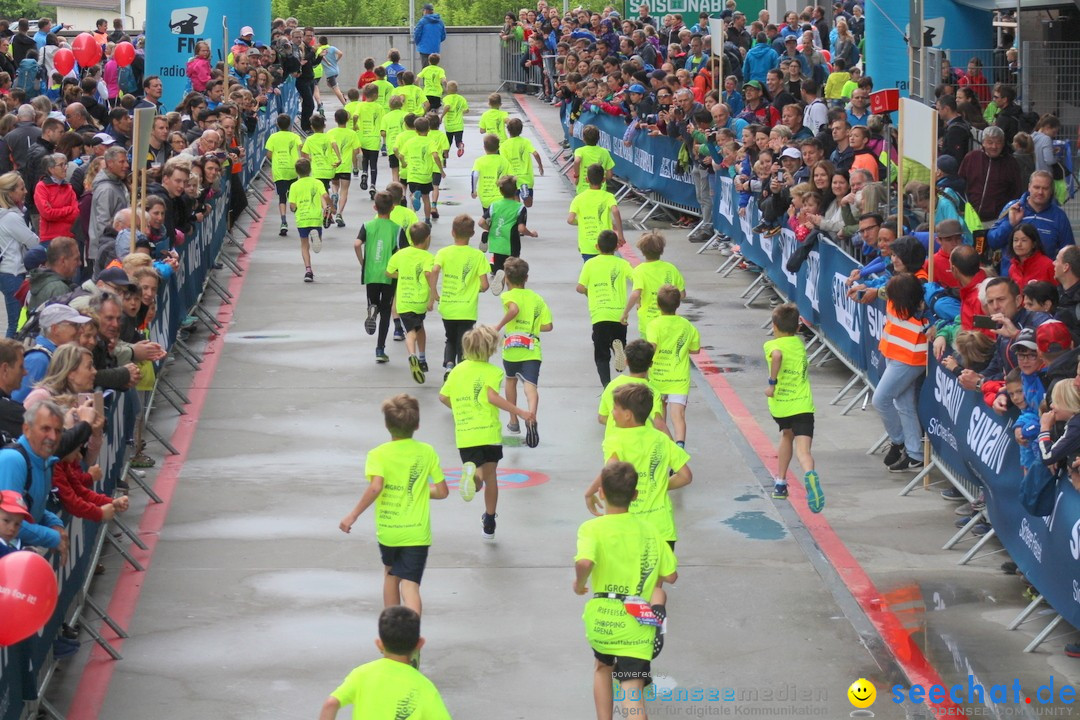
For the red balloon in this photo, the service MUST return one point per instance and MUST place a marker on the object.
(86, 49)
(64, 61)
(827, 55)
(124, 54)
(27, 595)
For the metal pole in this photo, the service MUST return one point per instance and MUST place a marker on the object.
(412, 24)
(123, 12)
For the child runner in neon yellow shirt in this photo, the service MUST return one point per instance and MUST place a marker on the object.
(604, 280)
(283, 150)
(520, 153)
(348, 146)
(471, 391)
(464, 273)
(494, 118)
(486, 171)
(588, 154)
(434, 79)
(527, 315)
(413, 298)
(791, 403)
(593, 211)
(639, 355)
(381, 688)
(311, 203)
(392, 125)
(648, 277)
(324, 154)
(403, 476)
(453, 111)
(625, 561)
(674, 339)
(368, 119)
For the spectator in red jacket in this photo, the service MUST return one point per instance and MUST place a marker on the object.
(55, 199)
(1028, 261)
(74, 486)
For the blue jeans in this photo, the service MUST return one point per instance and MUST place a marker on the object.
(9, 285)
(894, 399)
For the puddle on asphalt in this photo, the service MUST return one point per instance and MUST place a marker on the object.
(747, 497)
(725, 363)
(756, 525)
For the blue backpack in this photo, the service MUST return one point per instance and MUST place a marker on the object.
(28, 78)
(126, 80)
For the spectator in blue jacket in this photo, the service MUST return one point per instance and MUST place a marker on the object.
(1038, 207)
(429, 34)
(42, 426)
(760, 60)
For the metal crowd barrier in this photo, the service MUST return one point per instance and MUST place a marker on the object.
(27, 668)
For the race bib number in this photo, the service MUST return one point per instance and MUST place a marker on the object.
(640, 610)
(523, 342)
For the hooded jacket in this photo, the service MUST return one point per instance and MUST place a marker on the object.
(45, 284)
(1053, 225)
(41, 532)
(759, 61)
(429, 34)
(59, 208)
(109, 197)
(15, 239)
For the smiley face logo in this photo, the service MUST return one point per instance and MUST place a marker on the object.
(862, 693)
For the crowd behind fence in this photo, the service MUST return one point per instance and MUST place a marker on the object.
(971, 446)
(26, 668)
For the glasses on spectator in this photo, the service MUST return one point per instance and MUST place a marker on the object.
(1026, 353)
(868, 227)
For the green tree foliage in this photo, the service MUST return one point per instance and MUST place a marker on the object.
(29, 9)
(384, 13)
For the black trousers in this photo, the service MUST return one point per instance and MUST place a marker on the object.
(603, 334)
(306, 88)
(382, 297)
(455, 331)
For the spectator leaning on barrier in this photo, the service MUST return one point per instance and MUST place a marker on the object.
(1038, 207)
(42, 425)
(1067, 274)
(60, 324)
(1005, 308)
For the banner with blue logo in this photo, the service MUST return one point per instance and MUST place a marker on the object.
(974, 442)
(171, 34)
(649, 163)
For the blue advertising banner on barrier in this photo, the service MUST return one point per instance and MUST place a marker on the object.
(172, 31)
(974, 442)
(650, 163)
(21, 663)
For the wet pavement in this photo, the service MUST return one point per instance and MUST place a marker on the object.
(256, 605)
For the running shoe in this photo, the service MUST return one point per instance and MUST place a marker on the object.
(316, 239)
(895, 451)
(780, 491)
(423, 365)
(416, 200)
(339, 220)
(815, 496)
(434, 213)
(532, 434)
(414, 368)
(399, 334)
(460, 150)
(489, 526)
(369, 323)
(497, 283)
(513, 428)
(467, 484)
(620, 354)
(381, 357)
(309, 276)
(284, 229)
(363, 180)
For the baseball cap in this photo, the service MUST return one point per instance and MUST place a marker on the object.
(34, 258)
(116, 276)
(12, 502)
(949, 228)
(1026, 338)
(948, 165)
(429, 6)
(57, 313)
(1053, 336)
(791, 153)
(791, 39)
(637, 88)
(752, 83)
(246, 30)
(104, 139)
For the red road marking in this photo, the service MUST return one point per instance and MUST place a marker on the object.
(907, 653)
(97, 674)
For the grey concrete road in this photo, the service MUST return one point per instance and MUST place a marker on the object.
(256, 605)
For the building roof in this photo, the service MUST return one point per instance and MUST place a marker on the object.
(84, 4)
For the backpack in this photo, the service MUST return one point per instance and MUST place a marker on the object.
(972, 221)
(32, 327)
(1028, 120)
(943, 302)
(29, 81)
(126, 80)
(12, 445)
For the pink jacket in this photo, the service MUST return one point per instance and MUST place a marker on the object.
(198, 71)
(111, 76)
